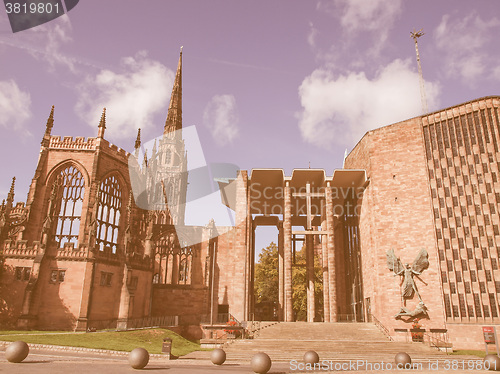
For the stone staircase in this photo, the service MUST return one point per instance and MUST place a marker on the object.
(332, 341)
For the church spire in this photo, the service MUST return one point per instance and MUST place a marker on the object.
(10, 195)
(50, 122)
(138, 139)
(102, 124)
(48, 128)
(174, 116)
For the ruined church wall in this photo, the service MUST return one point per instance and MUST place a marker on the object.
(59, 301)
(228, 268)
(178, 300)
(105, 296)
(12, 290)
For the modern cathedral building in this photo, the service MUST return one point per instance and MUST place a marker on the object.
(408, 229)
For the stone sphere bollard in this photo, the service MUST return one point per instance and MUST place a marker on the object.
(261, 363)
(402, 360)
(138, 358)
(491, 362)
(218, 356)
(17, 351)
(311, 357)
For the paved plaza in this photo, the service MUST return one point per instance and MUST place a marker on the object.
(39, 361)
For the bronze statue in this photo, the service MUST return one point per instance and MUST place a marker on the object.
(420, 311)
(408, 284)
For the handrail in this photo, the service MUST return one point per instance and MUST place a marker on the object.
(434, 341)
(381, 327)
(254, 331)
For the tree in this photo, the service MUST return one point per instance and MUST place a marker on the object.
(266, 275)
(299, 287)
(266, 286)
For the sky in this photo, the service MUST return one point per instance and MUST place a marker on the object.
(268, 84)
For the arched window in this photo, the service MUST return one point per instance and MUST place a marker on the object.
(72, 190)
(168, 156)
(108, 214)
(170, 194)
(186, 257)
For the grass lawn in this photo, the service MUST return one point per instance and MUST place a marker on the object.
(150, 339)
(469, 352)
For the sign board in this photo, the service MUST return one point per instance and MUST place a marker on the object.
(489, 335)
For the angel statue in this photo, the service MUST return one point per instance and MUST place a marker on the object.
(420, 310)
(419, 265)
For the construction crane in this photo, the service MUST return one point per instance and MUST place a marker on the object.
(415, 35)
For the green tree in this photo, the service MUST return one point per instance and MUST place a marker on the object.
(266, 281)
(299, 287)
(266, 275)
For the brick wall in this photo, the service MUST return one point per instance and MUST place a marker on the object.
(396, 214)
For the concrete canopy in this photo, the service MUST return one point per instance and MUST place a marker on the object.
(266, 189)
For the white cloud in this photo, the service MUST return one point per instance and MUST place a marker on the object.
(57, 34)
(131, 97)
(15, 106)
(374, 16)
(44, 42)
(362, 15)
(313, 34)
(463, 41)
(339, 110)
(220, 116)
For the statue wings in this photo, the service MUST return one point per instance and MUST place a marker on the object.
(421, 262)
(419, 265)
(393, 262)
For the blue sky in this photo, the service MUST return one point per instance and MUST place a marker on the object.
(283, 83)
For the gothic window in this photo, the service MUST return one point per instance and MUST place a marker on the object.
(108, 214)
(106, 278)
(170, 194)
(73, 189)
(23, 273)
(183, 271)
(168, 157)
(57, 276)
(186, 256)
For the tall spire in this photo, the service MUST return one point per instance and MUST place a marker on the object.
(48, 128)
(102, 124)
(174, 116)
(50, 122)
(10, 195)
(138, 139)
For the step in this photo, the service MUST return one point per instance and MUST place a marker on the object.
(287, 341)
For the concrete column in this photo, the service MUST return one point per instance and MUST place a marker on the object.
(324, 266)
(287, 252)
(213, 289)
(239, 298)
(330, 227)
(252, 270)
(311, 305)
(281, 273)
